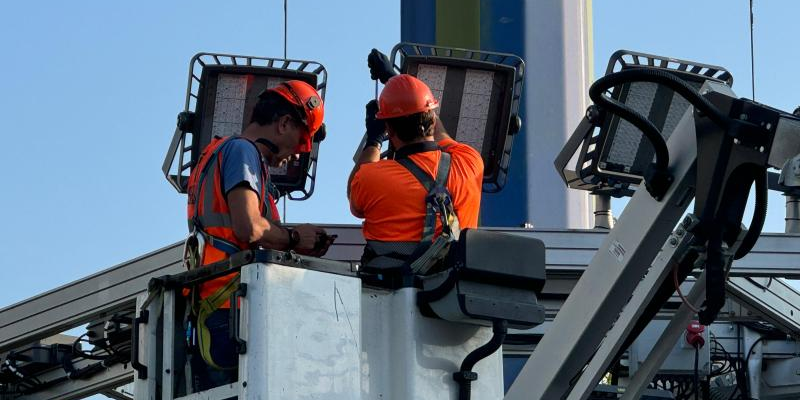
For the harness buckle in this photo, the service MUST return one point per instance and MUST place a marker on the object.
(193, 249)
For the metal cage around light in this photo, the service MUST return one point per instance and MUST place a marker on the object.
(608, 155)
(479, 94)
(195, 127)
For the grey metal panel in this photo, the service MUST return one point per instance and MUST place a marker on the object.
(570, 250)
(772, 299)
(86, 299)
(303, 333)
(785, 264)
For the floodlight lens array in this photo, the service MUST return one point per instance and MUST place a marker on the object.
(472, 92)
(626, 152)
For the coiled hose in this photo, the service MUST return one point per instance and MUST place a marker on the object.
(653, 135)
(650, 131)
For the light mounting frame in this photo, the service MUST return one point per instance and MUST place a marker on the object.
(185, 146)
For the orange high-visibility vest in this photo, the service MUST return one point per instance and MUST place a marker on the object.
(208, 210)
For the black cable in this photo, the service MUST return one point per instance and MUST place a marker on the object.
(759, 217)
(650, 131)
(728, 359)
(737, 367)
(80, 353)
(465, 376)
(747, 366)
(715, 277)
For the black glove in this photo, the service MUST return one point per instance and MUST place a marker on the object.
(376, 129)
(379, 66)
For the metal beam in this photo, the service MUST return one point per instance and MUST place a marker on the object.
(115, 376)
(615, 270)
(668, 258)
(84, 300)
(113, 394)
(665, 343)
(772, 299)
(568, 254)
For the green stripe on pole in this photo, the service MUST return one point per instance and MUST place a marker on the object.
(458, 23)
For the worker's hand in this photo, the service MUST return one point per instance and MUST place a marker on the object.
(376, 129)
(380, 67)
(320, 243)
(324, 242)
(308, 237)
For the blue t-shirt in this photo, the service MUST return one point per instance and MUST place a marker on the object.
(241, 162)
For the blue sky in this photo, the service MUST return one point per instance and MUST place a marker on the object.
(90, 92)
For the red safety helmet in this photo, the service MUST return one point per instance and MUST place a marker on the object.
(404, 95)
(305, 97)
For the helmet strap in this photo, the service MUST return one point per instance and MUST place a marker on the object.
(269, 145)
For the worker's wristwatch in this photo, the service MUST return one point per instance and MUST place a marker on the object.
(294, 238)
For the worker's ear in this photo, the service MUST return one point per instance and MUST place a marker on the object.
(390, 132)
(284, 124)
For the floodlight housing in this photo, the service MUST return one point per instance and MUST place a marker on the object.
(221, 93)
(606, 154)
(479, 94)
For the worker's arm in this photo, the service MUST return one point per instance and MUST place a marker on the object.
(370, 154)
(249, 226)
(376, 134)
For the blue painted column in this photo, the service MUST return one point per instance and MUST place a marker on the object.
(554, 39)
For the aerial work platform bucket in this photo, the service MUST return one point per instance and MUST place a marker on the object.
(306, 328)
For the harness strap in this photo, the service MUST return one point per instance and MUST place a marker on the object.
(205, 308)
(212, 219)
(428, 252)
(223, 245)
(432, 187)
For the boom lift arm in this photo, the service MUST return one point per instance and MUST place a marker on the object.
(713, 156)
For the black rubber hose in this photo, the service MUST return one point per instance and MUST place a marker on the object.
(759, 217)
(715, 278)
(650, 131)
(465, 376)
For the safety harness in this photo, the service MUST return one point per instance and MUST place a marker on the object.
(419, 258)
(195, 244)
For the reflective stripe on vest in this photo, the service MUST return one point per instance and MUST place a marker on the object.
(208, 208)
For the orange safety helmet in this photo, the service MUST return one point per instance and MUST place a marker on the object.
(305, 97)
(404, 95)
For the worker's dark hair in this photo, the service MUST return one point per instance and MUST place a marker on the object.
(270, 107)
(412, 127)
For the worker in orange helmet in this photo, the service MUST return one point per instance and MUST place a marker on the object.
(230, 206)
(391, 194)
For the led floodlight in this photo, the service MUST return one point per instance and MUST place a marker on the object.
(613, 153)
(479, 94)
(222, 92)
